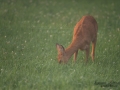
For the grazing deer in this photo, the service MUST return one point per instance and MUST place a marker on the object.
(84, 33)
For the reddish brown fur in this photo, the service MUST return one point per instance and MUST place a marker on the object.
(85, 32)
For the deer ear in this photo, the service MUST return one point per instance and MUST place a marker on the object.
(60, 48)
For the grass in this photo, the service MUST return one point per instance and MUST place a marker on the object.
(29, 31)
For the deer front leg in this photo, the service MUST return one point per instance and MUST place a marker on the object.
(87, 53)
(75, 55)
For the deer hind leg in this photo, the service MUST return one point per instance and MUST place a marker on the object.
(93, 50)
(75, 55)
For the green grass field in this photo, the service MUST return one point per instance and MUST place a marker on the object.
(29, 31)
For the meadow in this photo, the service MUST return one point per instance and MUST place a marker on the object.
(29, 31)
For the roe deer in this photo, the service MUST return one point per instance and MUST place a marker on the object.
(84, 33)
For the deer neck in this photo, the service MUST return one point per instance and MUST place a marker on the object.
(70, 50)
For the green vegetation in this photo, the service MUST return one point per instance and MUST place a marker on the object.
(29, 31)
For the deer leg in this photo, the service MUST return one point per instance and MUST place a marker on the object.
(87, 53)
(93, 50)
(75, 55)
